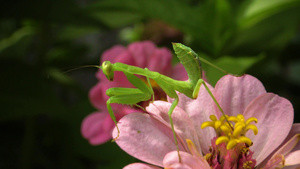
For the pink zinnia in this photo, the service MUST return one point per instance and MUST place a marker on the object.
(268, 117)
(97, 127)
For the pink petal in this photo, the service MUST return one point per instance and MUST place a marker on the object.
(295, 130)
(187, 161)
(293, 158)
(179, 72)
(112, 53)
(276, 162)
(235, 93)
(141, 51)
(199, 111)
(140, 166)
(97, 128)
(126, 58)
(98, 96)
(145, 138)
(275, 118)
(289, 146)
(160, 61)
(120, 80)
(292, 167)
(183, 125)
(284, 151)
(183, 101)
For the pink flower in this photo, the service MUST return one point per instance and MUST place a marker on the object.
(149, 138)
(97, 127)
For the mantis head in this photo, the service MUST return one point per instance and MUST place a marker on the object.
(107, 70)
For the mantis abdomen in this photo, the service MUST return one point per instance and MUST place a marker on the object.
(190, 60)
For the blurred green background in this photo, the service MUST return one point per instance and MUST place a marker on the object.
(42, 106)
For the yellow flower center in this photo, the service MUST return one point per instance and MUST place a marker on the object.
(230, 134)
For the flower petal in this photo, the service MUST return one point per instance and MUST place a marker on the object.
(289, 146)
(97, 128)
(112, 53)
(295, 130)
(184, 126)
(145, 138)
(98, 96)
(284, 152)
(275, 118)
(160, 61)
(235, 93)
(199, 111)
(179, 73)
(142, 52)
(188, 161)
(140, 166)
(293, 158)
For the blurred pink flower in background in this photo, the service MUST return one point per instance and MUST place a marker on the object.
(149, 138)
(97, 127)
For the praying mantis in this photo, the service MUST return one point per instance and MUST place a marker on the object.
(143, 92)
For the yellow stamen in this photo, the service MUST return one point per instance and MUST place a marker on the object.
(245, 140)
(192, 148)
(226, 129)
(207, 124)
(222, 139)
(215, 123)
(222, 119)
(240, 117)
(253, 128)
(232, 143)
(213, 118)
(247, 164)
(239, 124)
(237, 131)
(208, 156)
(251, 119)
(218, 124)
(229, 135)
(233, 118)
(244, 149)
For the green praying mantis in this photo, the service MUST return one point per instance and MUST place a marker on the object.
(143, 92)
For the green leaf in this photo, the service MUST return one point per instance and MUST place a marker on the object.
(265, 25)
(233, 65)
(294, 70)
(16, 37)
(258, 10)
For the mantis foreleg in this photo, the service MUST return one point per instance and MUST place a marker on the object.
(129, 96)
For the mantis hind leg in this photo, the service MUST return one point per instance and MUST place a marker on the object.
(171, 93)
(195, 95)
(174, 104)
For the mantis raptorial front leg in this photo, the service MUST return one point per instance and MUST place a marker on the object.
(130, 96)
(190, 88)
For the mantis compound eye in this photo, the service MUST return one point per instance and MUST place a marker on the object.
(107, 70)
